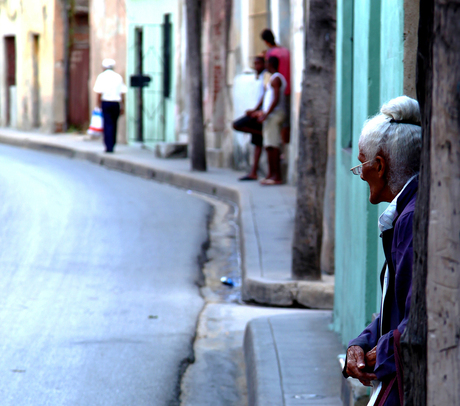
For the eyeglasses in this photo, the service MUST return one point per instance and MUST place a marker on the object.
(358, 169)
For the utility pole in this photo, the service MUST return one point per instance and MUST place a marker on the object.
(195, 84)
(431, 361)
(315, 107)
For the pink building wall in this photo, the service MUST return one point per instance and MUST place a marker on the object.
(107, 40)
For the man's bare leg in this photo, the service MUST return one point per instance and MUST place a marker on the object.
(270, 162)
(276, 164)
(257, 152)
(274, 167)
(286, 134)
(255, 166)
(249, 130)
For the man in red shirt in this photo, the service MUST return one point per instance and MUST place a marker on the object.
(284, 59)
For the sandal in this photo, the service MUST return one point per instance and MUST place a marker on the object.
(247, 177)
(270, 182)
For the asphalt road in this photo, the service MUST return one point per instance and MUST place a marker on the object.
(98, 301)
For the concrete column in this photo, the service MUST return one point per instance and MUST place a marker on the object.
(216, 28)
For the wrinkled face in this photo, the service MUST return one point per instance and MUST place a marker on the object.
(373, 173)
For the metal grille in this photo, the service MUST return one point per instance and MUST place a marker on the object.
(147, 52)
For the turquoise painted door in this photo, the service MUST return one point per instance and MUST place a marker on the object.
(149, 54)
(357, 261)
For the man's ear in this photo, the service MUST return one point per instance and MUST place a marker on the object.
(381, 165)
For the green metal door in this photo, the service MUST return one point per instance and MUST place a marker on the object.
(149, 53)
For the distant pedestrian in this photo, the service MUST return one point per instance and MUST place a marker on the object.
(272, 116)
(110, 90)
(284, 58)
(249, 123)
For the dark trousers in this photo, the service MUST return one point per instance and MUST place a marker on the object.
(110, 112)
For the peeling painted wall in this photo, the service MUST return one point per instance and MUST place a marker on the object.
(217, 109)
(297, 66)
(59, 90)
(34, 24)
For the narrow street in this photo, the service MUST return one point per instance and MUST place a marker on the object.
(205, 203)
(98, 290)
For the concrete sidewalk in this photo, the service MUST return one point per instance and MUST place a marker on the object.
(290, 359)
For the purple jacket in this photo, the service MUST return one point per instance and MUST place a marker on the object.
(397, 245)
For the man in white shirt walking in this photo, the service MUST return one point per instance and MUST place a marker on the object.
(110, 90)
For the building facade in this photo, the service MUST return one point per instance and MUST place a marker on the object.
(44, 65)
(32, 65)
(49, 66)
(231, 38)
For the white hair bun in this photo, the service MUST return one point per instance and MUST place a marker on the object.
(402, 109)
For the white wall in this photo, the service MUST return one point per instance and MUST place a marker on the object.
(287, 20)
(297, 66)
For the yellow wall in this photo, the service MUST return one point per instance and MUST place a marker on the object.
(24, 20)
(8, 27)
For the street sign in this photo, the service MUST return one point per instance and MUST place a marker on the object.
(139, 80)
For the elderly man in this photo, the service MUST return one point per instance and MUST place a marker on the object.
(110, 90)
(389, 152)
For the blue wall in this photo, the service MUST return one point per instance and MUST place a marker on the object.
(369, 72)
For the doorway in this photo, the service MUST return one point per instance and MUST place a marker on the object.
(35, 81)
(78, 114)
(150, 54)
(10, 88)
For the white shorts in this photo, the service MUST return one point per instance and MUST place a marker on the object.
(271, 129)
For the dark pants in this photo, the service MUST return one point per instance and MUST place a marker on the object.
(247, 122)
(110, 112)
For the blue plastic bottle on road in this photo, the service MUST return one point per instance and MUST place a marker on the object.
(227, 281)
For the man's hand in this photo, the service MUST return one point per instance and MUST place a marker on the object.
(99, 100)
(261, 117)
(122, 105)
(371, 357)
(250, 113)
(356, 366)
